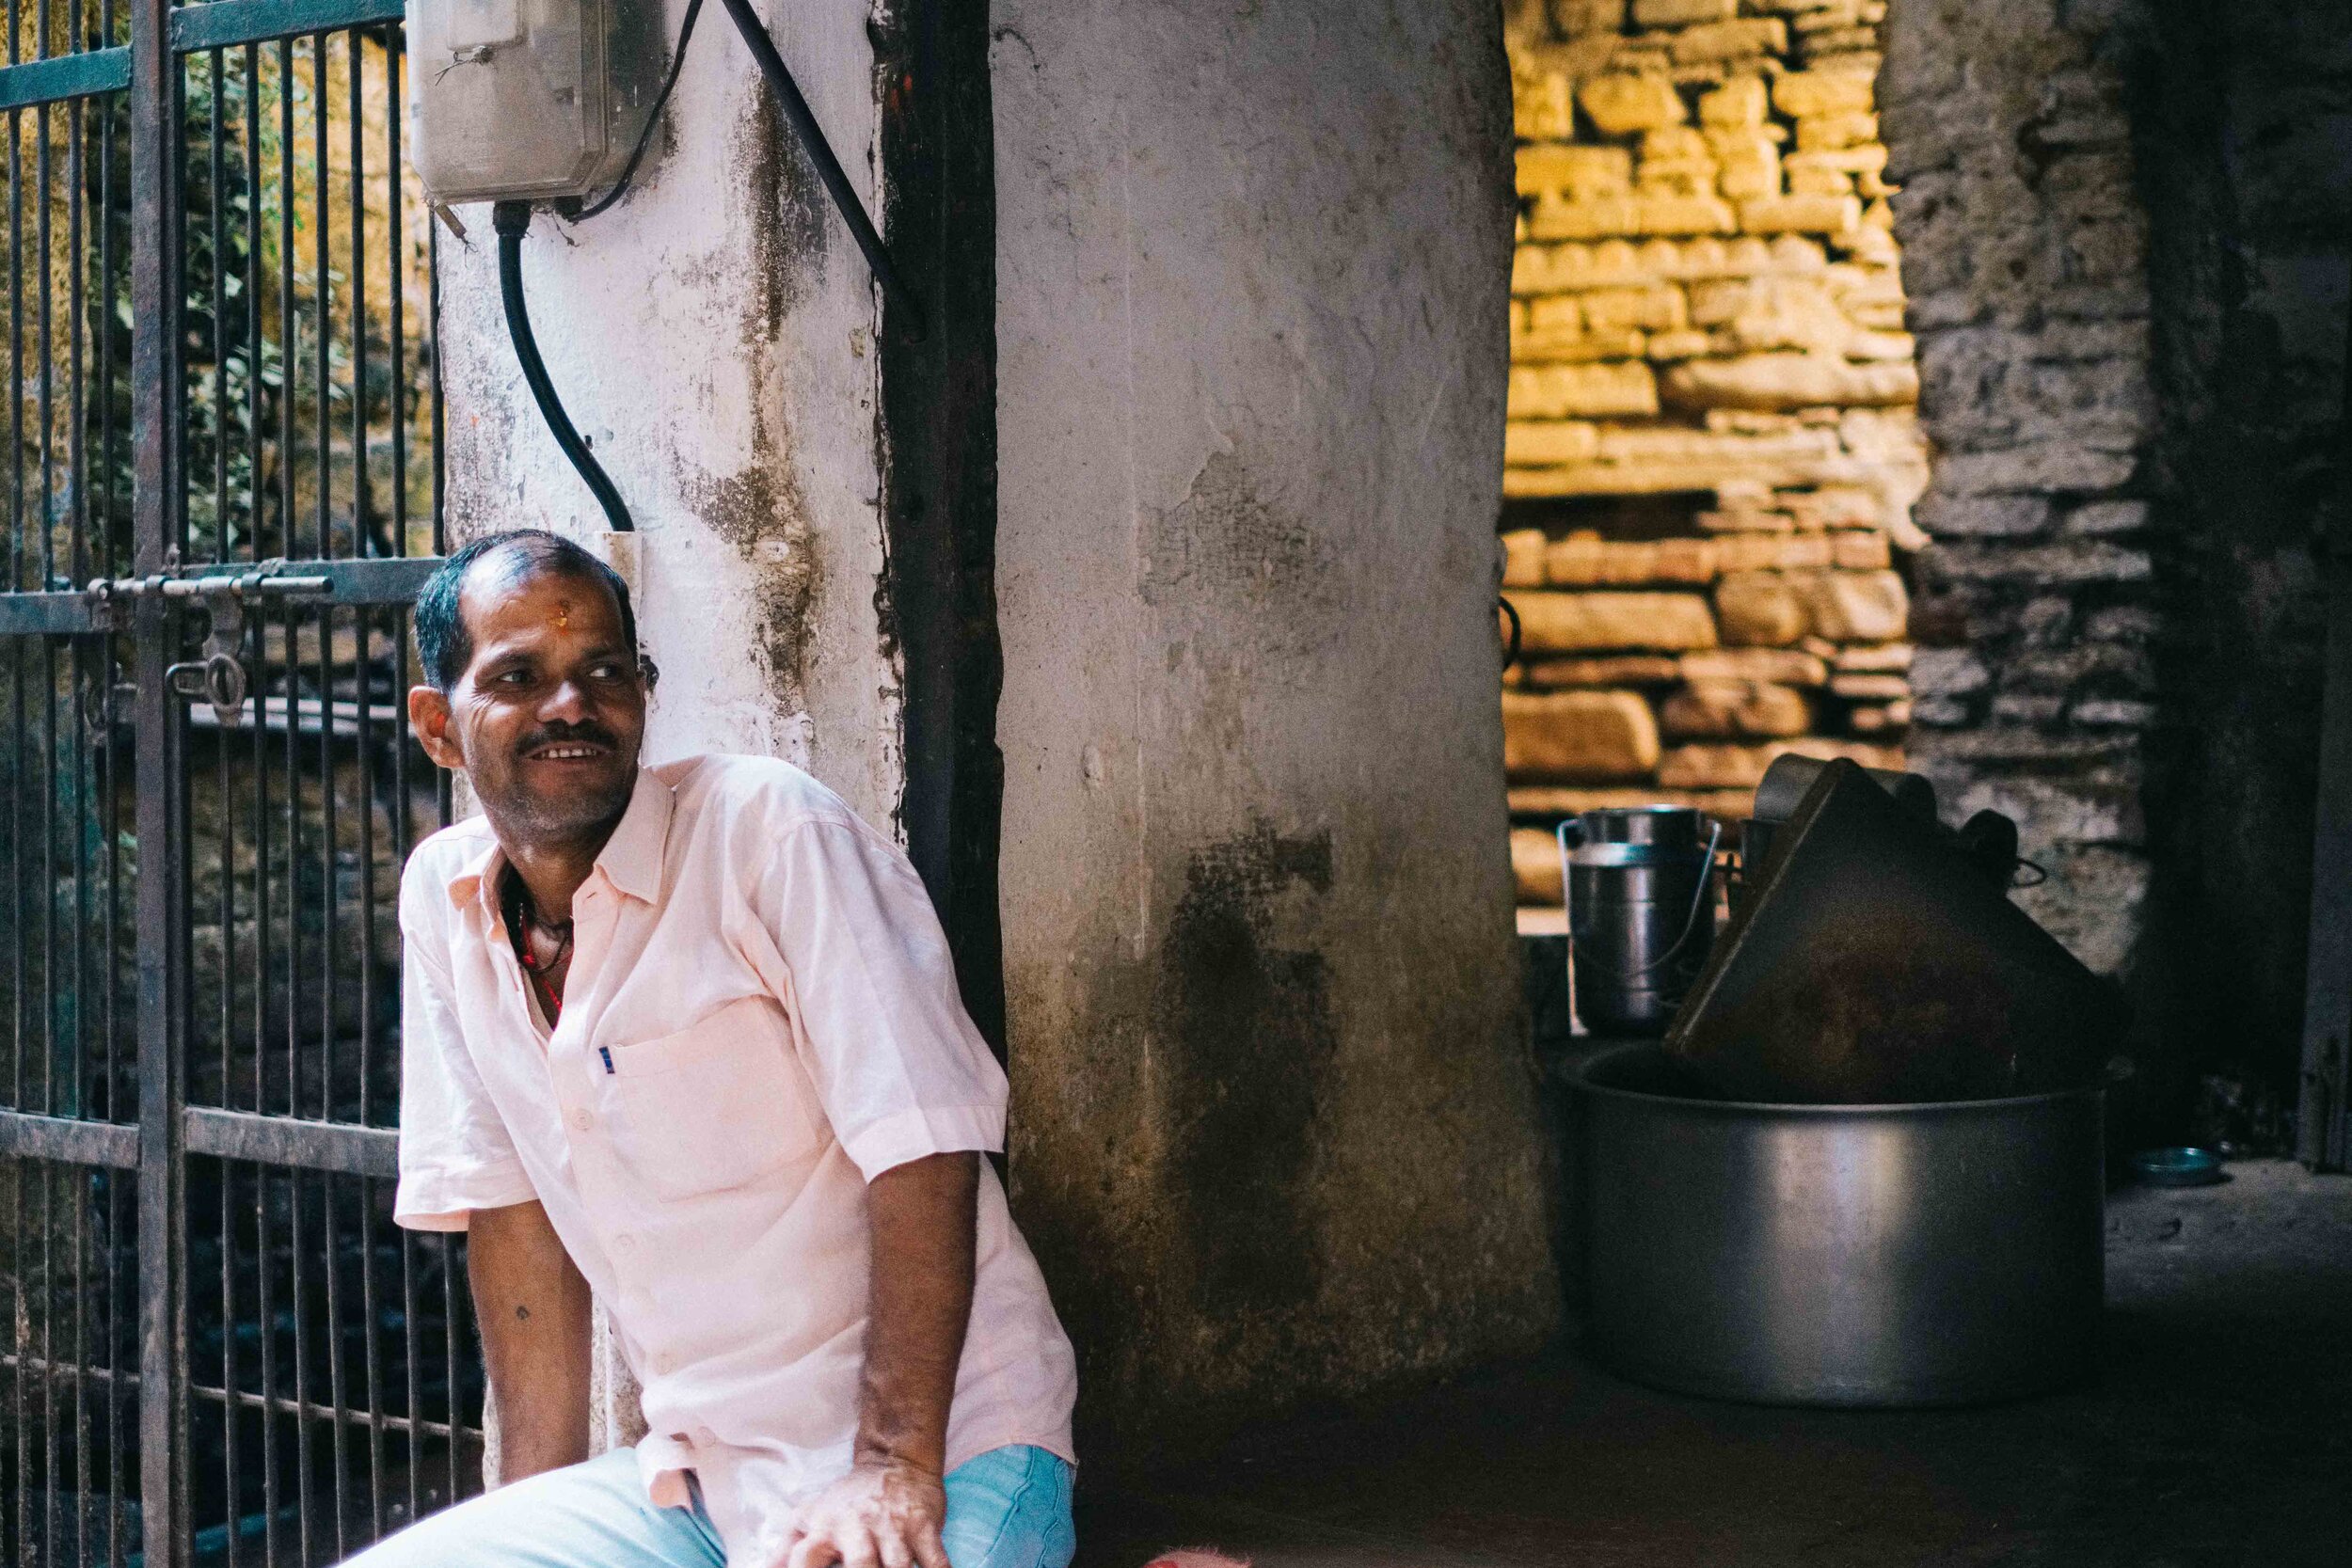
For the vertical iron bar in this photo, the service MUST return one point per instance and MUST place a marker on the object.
(218, 170)
(321, 295)
(395, 268)
(154, 386)
(294, 1035)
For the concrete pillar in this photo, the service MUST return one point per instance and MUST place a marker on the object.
(1273, 1128)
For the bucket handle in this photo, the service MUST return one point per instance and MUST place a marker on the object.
(1690, 921)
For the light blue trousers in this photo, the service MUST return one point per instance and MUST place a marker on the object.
(1010, 1508)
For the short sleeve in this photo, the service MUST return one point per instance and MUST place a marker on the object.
(901, 1069)
(454, 1152)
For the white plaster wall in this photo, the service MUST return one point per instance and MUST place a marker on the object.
(712, 337)
(1273, 1129)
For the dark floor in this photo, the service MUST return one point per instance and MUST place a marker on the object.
(2219, 1435)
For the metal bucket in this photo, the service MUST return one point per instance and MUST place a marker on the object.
(1830, 1255)
(1640, 921)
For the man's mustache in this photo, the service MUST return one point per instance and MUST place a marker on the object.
(589, 733)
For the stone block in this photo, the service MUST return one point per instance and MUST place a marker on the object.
(1801, 214)
(1535, 867)
(1592, 390)
(1523, 558)
(1739, 104)
(1745, 39)
(1774, 381)
(1861, 552)
(1578, 18)
(1870, 687)
(1687, 343)
(1716, 766)
(1620, 104)
(1753, 553)
(2102, 518)
(1879, 718)
(1748, 167)
(1810, 94)
(1606, 670)
(1761, 610)
(1568, 800)
(1682, 14)
(2079, 560)
(1834, 506)
(1685, 214)
(1578, 174)
(2033, 465)
(1555, 313)
(1539, 441)
(1878, 659)
(1685, 561)
(1651, 309)
(1598, 219)
(1812, 180)
(1542, 107)
(1599, 622)
(1732, 709)
(1948, 673)
(1858, 607)
(1576, 347)
(1774, 666)
(1984, 516)
(1816, 133)
(1531, 270)
(1580, 561)
(1568, 735)
(1731, 766)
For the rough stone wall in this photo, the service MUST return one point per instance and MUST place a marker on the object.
(2024, 251)
(1273, 1129)
(1712, 457)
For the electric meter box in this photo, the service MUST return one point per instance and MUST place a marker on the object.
(528, 100)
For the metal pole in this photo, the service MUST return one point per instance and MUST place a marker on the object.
(155, 386)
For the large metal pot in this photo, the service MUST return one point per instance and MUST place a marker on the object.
(1873, 1255)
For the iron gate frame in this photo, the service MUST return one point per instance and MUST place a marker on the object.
(150, 609)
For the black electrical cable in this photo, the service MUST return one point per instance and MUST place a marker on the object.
(812, 136)
(512, 220)
(653, 120)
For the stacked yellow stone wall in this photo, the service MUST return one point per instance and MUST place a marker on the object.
(1712, 454)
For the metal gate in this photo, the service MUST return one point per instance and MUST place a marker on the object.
(222, 491)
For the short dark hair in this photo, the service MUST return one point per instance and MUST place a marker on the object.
(443, 644)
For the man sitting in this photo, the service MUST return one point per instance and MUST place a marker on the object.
(689, 1037)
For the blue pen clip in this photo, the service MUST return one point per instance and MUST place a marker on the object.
(606, 1051)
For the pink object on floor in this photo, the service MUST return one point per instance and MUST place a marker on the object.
(1196, 1560)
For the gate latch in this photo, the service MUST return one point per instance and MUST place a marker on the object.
(219, 678)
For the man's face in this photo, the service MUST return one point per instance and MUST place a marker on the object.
(549, 715)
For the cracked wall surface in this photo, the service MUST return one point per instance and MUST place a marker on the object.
(1273, 1134)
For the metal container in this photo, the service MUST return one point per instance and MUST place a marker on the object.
(1828, 1255)
(1640, 920)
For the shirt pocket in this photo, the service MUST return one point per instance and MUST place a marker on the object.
(719, 1104)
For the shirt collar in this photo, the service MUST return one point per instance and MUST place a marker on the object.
(630, 859)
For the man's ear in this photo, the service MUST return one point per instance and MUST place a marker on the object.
(429, 716)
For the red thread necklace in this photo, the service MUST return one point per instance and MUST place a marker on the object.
(522, 917)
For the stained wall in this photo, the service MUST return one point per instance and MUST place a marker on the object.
(1273, 1134)
(712, 336)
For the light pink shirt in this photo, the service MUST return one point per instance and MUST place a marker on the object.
(760, 1017)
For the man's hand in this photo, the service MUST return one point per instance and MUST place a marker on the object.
(883, 1514)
